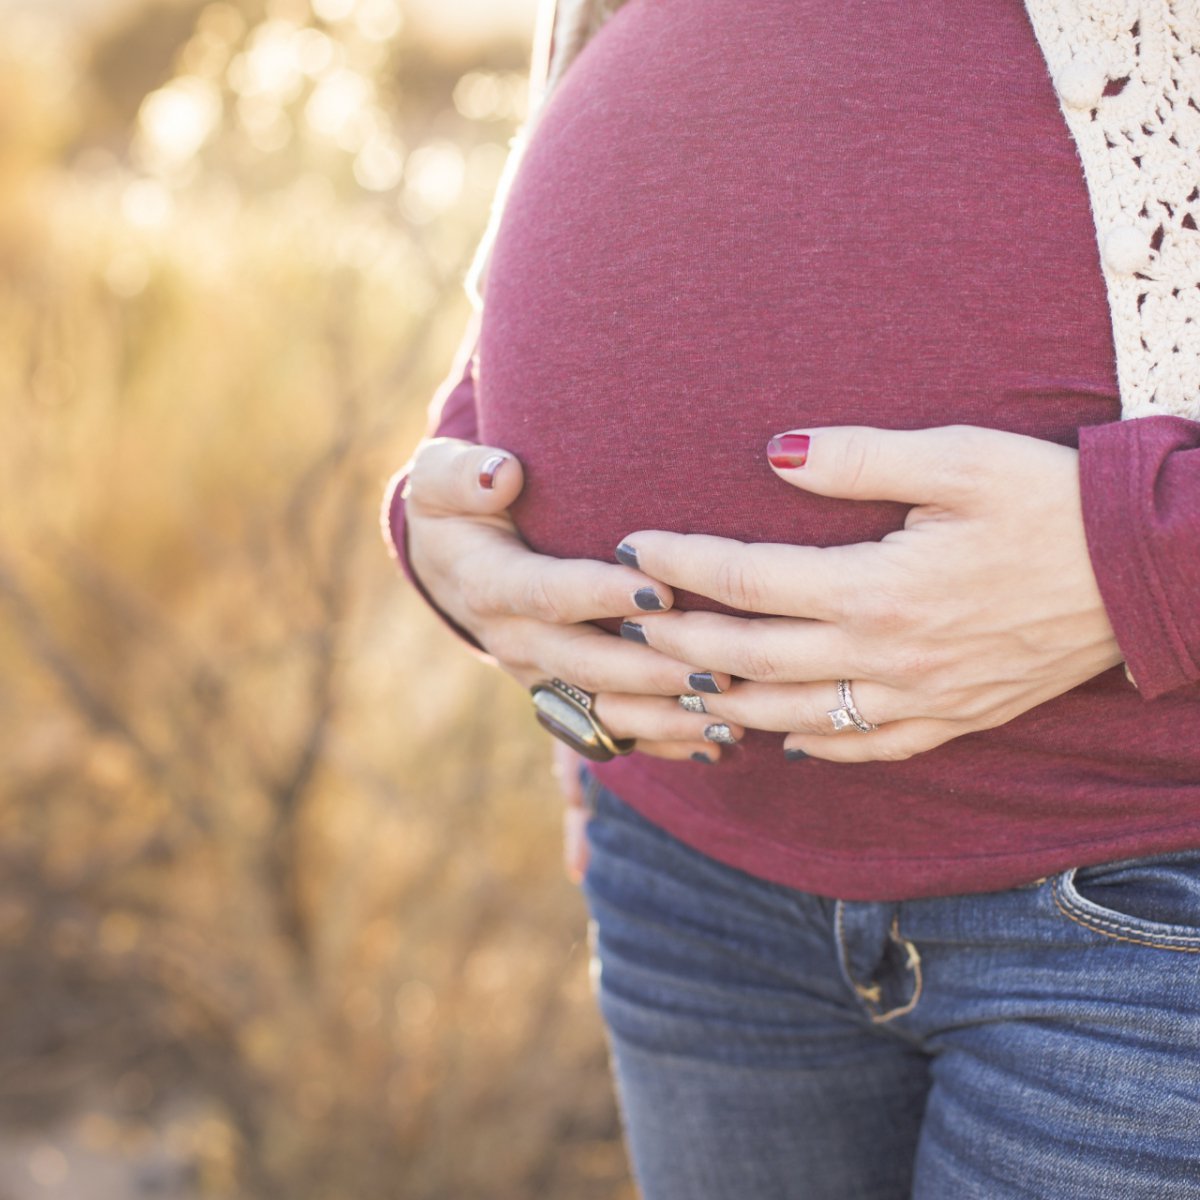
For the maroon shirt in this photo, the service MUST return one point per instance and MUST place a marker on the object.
(746, 216)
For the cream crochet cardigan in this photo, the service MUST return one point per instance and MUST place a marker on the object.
(1127, 73)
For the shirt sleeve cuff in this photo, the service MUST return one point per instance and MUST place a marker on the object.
(1140, 490)
(393, 527)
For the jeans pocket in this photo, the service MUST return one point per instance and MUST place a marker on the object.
(1149, 901)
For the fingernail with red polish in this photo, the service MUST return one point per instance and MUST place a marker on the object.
(487, 473)
(788, 450)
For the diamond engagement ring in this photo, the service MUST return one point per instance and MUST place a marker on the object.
(848, 717)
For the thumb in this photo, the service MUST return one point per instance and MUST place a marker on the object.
(449, 476)
(858, 462)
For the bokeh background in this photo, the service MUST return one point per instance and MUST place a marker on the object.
(281, 905)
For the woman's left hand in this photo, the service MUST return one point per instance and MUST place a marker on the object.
(983, 606)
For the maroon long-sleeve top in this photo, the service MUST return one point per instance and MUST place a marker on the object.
(746, 216)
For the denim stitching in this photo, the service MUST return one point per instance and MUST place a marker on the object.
(870, 994)
(1103, 927)
(863, 993)
(914, 965)
(1123, 927)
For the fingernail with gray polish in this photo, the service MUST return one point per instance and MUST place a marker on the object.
(719, 733)
(700, 756)
(692, 702)
(631, 631)
(627, 555)
(702, 681)
(648, 600)
(794, 755)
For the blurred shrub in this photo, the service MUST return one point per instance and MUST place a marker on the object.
(280, 895)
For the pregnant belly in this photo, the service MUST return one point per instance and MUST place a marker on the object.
(744, 216)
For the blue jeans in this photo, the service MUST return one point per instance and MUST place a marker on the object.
(768, 1044)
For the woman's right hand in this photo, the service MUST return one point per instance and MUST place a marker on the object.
(532, 613)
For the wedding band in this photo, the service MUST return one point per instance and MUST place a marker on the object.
(566, 712)
(848, 717)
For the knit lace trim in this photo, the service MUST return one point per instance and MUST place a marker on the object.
(1128, 77)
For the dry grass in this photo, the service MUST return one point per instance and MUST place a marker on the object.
(280, 881)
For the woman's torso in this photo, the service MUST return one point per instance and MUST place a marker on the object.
(743, 216)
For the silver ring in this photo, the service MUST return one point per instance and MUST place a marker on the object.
(848, 717)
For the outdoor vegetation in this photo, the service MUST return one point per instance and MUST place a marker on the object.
(282, 915)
